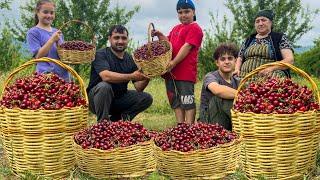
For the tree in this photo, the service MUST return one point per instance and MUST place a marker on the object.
(95, 13)
(9, 50)
(309, 61)
(5, 4)
(290, 16)
(317, 42)
(216, 34)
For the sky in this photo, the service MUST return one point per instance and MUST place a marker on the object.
(163, 14)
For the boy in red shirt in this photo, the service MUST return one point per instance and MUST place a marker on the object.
(186, 40)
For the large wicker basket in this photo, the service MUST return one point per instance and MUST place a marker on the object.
(76, 56)
(40, 141)
(156, 65)
(278, 146)
(122, 162)
(213, 163)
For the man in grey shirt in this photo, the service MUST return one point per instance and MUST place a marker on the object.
(219, 87)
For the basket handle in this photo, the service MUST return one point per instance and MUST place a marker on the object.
(150, 29)
(79, 22)
(45, 59)
(281, 64)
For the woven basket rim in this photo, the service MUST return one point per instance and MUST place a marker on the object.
(114, 149)
(229, 144)
(60, 48)
(276, 114)
(45, 110)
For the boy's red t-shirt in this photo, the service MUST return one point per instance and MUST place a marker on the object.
(186, 70)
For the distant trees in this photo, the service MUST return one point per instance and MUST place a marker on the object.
(5, 4)
(218, 32)
(10, 54)
(9, 51)
(290, 18)
(96, 13)
(309, 61)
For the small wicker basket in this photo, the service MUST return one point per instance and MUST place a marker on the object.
(122, 162)
(156, 65)
(213, 163)
(278, 146)
(76, 56)
(40, 141)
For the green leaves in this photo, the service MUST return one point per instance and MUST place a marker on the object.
(310, 61)
(218, 33)
(96, 13)
(5, 4)
(290, 17)
(9, 50)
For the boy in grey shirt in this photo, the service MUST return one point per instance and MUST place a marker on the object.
(219, 87)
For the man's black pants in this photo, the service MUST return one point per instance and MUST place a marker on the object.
(105, 105)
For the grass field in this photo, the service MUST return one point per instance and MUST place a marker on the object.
(158, 117)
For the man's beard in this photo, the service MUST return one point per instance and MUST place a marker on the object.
(118, 50)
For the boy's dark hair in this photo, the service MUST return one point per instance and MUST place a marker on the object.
(119, 29)
(225, 48)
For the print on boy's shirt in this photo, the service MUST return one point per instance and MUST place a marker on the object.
(187, 99)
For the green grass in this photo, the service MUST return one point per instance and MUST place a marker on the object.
(158, 117)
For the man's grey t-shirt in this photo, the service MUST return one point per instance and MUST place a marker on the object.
(206, 94)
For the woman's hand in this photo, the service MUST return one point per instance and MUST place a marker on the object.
(236, 72)
(266, 71)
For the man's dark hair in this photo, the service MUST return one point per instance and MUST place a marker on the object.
(119, 29)
(225, 48)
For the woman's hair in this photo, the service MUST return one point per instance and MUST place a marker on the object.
(225, 48)
(38, 7)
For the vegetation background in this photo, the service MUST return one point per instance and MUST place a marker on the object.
(294, 21)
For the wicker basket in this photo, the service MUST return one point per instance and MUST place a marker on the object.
(40, 141)
(278, 146)
(213, 163)
(76, 56)
(156, 65)
(318, 121)
(127, 162)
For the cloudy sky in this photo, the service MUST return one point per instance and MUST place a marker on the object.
(163, 14)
